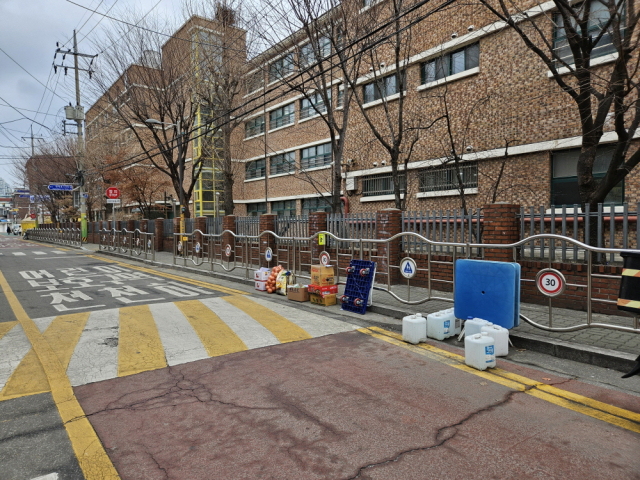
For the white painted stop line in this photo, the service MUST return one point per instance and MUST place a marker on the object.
(51, 476)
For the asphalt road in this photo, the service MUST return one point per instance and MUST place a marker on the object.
(109, 369)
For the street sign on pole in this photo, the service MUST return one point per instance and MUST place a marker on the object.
(113, 192)
(115, 201)
(21, 190)
(61, 187)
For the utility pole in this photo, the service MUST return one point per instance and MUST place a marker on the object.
(77, 114)
(33, 150)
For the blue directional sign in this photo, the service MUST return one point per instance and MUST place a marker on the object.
(21, 190)
(62, 187)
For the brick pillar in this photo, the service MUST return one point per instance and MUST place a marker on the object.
(388, 224)
(500, 226)
(144, 225)
(159, 235)
(317, 223)
(267, 222)
(200, 224)
(131, 225)
(119, 225)
(229, 223)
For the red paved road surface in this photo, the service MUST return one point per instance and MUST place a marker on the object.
(339, 407)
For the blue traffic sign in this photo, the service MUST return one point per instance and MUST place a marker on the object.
(21, 190)
(61, 187)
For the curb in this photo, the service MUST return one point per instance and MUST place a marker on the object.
(596, 356)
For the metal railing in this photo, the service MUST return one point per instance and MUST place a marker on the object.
(352, 225)
(134, 243)
(450, 226)
(608, 227)
(230, 251)
(292, 226)
(60, 236)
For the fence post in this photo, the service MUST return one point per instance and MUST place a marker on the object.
(229, 223)
(388, 224)
(267, 222)
(317, 223)
(159, 235)
(500, 226)
(200, 224)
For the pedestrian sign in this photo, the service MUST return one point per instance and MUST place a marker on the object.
(408, 268)
(268, 254)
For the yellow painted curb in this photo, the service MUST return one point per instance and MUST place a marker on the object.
(578, 403)
(93, 459)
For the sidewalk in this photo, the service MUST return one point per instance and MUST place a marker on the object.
(598, 346)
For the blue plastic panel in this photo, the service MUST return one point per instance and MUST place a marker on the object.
(488, 290)
(358, 286)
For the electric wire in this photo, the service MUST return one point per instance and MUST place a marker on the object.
(28, 73)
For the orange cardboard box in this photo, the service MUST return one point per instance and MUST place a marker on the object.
(298, 294)
(327, 300)
(322, 276)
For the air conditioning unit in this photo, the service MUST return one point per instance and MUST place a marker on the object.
(351, 184)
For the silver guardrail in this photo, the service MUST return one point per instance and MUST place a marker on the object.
(133, 243)
(229, 251)
(59, 236)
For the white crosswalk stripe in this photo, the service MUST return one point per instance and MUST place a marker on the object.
(39, 253)
(14, 345)
(96, 344)
(17, 254)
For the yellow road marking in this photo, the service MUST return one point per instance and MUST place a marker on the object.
(191, 281)
(578, 403)
(62, 336)
(284, 330)
(6, 326)
(139, 345)
(89, 451)
(216, 336)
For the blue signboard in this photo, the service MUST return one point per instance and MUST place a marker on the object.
(21, 190)
(61, 187)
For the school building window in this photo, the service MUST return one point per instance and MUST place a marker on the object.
(282, 116)
(318, 204)
(317, 156)
(382, 88)
(281, 67)
(284, 208)
(451, 63)
(373, 185)
(282, 163)
(314, 105)
(564, 179)
(254, 126)
(256, 209)
(255, 169)
(441, 178)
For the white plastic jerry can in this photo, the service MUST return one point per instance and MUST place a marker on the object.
(414, 328)
(479, 351)
(473, 326)
(457, 325)
(440, 325)
(501, 337)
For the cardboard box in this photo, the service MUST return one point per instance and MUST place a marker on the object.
(261, 275)
(323, 290)
(327, 300)
(262, 286)
(322, 276)
(298, 294)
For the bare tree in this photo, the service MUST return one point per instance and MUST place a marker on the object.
(569, 39)
(146, 75)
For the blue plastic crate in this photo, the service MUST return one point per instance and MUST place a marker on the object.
(358, 286)
(488, 290)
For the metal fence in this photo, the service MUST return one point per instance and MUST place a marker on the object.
(610, 226)
(134, 243)
(168, 227)
(292, 226)
(440, 226)
(352, 226)
(60, 236)
(214, 225)
(189, 225)
(229, 251)
(151, 226)
(249, 226)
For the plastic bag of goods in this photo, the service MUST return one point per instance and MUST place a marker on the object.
(271, 281)
(281, 282)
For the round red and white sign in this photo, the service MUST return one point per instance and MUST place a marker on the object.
(325, 259)
(550, 282)
(113, 192)
(227, 250)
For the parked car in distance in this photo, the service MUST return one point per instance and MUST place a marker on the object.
(17, 229)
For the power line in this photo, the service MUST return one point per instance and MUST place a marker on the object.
(27, 110)
(31, 119)
(14, 61)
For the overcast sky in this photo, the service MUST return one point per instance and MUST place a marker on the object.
(29, 31)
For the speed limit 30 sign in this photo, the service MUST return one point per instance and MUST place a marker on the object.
(550, 282)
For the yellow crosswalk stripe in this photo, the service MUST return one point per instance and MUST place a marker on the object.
(216, 336)
(5, 327)
(284, 330)
(62, 336)
(139, 345)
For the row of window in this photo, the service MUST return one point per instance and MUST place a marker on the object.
(285, 115)
(286, 208)
(311, 157)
